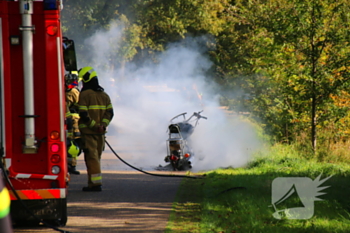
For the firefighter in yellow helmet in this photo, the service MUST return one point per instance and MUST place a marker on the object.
(96, 112)
(73, 136)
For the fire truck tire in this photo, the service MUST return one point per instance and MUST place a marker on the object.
(64, 216)
(21, 217)
(63, 220)
(60, 222)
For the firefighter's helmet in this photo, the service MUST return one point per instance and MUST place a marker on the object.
(70, 79)
(73, 148)
(87, 73)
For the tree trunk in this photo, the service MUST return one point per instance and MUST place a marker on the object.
(314, 58)
(313, 123)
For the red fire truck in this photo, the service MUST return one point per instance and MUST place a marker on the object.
(33, 60)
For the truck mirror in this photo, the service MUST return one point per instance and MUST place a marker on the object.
(69, 58)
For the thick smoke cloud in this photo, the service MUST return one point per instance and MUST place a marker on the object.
(146, 98)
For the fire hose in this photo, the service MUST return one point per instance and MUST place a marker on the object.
(148, 173)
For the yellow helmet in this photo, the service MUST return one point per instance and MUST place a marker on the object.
(73, 148)
(87, 73)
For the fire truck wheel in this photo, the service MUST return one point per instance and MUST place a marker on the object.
(63, 221)
(64, 218)
(60, 222)
(57, 222)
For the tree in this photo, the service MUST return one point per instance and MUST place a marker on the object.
(299, 52)
(149, 24)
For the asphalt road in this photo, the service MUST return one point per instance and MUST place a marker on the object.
(130, 201)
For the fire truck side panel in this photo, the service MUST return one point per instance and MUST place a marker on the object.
(34, 175)
(46, 93)
(27, 163)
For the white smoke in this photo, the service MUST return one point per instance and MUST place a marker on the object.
(146, 98)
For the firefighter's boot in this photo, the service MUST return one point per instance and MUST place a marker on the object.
(97, 188)
(73, 170)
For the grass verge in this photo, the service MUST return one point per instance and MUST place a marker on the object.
(186, 211)
(239, 200)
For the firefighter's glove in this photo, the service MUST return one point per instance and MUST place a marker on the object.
(100, 129)
(84, 117)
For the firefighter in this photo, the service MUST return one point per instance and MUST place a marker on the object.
(73, 136)
(96, 112)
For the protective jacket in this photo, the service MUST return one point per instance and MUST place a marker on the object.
(95, 109)
(72, 99)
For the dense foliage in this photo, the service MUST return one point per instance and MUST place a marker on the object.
(289, 58)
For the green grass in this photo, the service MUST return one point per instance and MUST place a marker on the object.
(239, 200)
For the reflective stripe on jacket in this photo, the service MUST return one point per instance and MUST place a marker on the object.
(95, 108)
